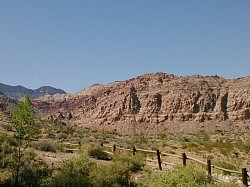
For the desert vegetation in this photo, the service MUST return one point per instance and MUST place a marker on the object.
(36, 152)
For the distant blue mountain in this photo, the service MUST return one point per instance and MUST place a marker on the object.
(18, 92)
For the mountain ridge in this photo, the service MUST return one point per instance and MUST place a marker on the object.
(17, 92)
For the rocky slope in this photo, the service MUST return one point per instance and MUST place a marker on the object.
(6, 103)
(17, 92)
(153, 100)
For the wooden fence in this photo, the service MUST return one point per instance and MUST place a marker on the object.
(184, 157)
(244, 174)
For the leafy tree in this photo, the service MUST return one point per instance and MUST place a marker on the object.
(23, 120)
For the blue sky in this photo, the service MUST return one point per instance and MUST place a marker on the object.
(72, 44)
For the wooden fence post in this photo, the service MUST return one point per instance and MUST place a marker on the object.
(209, 170)
(184, 159)
(159, 158)
(244, 176)
(114, 148)
(134, 150)
(52, 169)
(80, 145)
(3, 163)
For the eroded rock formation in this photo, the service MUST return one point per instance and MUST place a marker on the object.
(154, 99)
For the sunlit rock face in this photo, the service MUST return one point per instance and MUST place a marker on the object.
(153, 99)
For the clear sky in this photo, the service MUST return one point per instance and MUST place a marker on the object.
(72, 44)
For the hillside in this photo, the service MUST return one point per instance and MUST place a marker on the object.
(54, 146)
(18, 92)
(154, 101)
(6, 103)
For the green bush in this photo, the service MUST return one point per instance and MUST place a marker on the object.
(189, 176)
(180, 176)
(76, 172)
(7, 149)
(83, 171)
(33, 170)
(7, 126)
(98, 153)
(5, 178)
(243, 146)
(45, 145)
(112, 175)
(61, 136)
(135, 163)
(6, 137)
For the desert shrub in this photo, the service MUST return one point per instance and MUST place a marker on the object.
(225, 151)
(6, 152)
(135, 163)
(243, 146)
(210, 157)
(5, 178)
(51, 134)
(139, 141)
(45, 145)
(62, 136)
(204, 136)
(185, 138)
(142, 140)
(76, 172)
(68, 130)
(207, 146)
(180, 176)
(93, 130)
(83, 171)
(7, 126)
(112, 175)
(7, 149)
(162, 136)
(104, 140)
(5, 137)
(84, 140)
(246, 147)
(33, 170)
(224, 147)
(98, 153)
(6, 161)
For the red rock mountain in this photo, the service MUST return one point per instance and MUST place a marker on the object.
(153, 100)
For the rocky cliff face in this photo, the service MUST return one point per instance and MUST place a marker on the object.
(154, 99)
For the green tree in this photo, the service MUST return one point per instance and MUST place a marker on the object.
(23, 120)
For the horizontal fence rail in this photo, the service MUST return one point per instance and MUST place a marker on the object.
(173, 155)
(196, 160)
(146, 151)
(227, 170)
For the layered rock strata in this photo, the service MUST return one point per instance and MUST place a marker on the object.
(154, 99)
